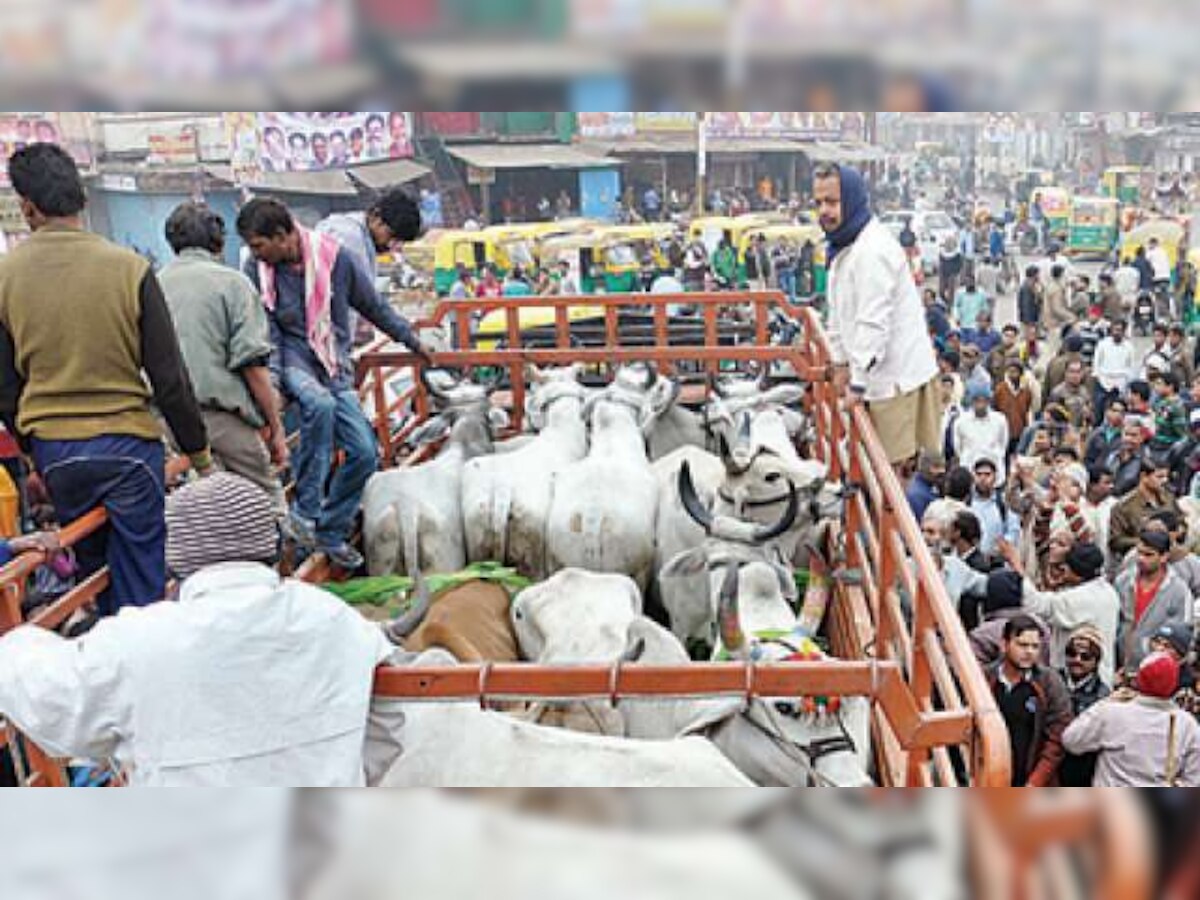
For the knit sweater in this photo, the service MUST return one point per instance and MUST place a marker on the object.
(80, 320)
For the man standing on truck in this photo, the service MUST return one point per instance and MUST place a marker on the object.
(86, 344)
(877, 325)
(309, 283)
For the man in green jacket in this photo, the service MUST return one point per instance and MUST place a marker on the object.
(80, 321)
(724, 265)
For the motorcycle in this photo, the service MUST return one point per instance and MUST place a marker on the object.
(1143, 314)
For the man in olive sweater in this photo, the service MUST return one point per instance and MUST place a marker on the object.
(80, 321)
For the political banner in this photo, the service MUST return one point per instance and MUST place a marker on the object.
(605, 124)
(17, 130)
(308, 142)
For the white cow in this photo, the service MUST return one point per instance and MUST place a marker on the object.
(421, 505)
(602, 514)
(669, 426)
(757, 621)
(461, 745)
(579, 617)
(506, 498)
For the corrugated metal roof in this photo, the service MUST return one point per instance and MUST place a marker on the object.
(327, 182)
(378, 176)
(529, 156)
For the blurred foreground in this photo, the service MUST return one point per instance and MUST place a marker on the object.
(581, 844)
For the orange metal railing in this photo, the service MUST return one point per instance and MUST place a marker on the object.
(935, 722)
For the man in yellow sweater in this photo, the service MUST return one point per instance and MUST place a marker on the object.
(81, 320)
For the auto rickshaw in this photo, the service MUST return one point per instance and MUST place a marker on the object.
(648, 242)
(1056, 207)
(795, 234)
(1122, 183)
(1171, 234)
(1093, 228)
(710, 229)
(1029, 181)
(502, 247)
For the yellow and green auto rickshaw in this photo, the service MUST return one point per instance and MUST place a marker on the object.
(1122, 183)
(797, 235)
(502, 247)
(1171, 234)
(1056, 207)
(1029, 181)
(1094, 226)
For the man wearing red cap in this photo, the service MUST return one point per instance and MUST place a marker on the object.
(1143, 739)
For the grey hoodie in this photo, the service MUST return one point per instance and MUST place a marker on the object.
(1172, 603)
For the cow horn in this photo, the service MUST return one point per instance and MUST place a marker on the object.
(635, 652)
(407, 623)
(762, 535)
(651, 375)
(729, 619)
(691, 503)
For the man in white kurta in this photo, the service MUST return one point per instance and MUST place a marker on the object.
(876, 318)
(248, 680)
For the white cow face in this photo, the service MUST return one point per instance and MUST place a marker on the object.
(576, 616)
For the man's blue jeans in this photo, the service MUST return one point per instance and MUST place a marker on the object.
(330, 420)
(125, 475)
(787, 283)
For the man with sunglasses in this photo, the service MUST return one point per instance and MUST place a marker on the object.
(1085, 649)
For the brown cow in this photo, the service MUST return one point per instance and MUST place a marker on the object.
(470, 621)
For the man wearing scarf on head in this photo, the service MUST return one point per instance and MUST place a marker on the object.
(876, 322)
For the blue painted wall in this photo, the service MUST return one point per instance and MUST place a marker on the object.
(136, 220)
(599, 193)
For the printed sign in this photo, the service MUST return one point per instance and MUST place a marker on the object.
(308, 142)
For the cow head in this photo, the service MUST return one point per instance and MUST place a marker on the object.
(576, 616)
(549, 386)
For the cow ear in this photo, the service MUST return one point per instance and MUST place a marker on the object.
(783, 395)
(664, 395)
(787, 582)
(685, 564)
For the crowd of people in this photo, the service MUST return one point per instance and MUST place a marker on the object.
(1059, 501)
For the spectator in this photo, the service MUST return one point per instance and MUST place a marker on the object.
(926, 484)
(1179, 354)
(982, 335)
(969, 304)
(1007, 349)
(1151, 596)
(226, 344)
(1105, 439)
(1029, 309)
(1112, 305)
(973, 372)
(1145, 270)
(1074, 395)
(1113, 368)
(1056, 311)
(1156, 358)
(1098, 504)
(81, 320)
(1085, 650)
(1034, 702)
(309, 284)
(1129, 517)
(950, 267)
(758, 264)
(981, 432)
(1014, 399)
(1056, 370)
(724, 265)
(1002, 604)
(1160, 267)
(1170, 414)
(996, 520)
(1142, 740)
(1086, 599)
(1126, 462)
(1091, 332)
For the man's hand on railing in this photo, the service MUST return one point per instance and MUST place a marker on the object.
(42, 541)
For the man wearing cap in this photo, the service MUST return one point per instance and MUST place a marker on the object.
(248, 680)
(1085, 650)
(1142, 740)
(1034, 702)
(1177, 640)
(877, 322)
(1151, 596)
(1088, 600)
(1130, 515)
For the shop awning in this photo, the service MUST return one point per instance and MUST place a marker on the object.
(529, 156)
(844, 152)
(327, 183)
(685, 142)
(378, 176)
